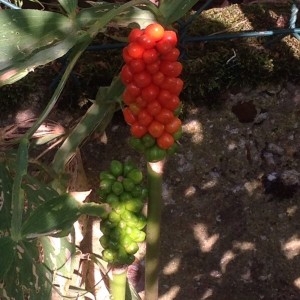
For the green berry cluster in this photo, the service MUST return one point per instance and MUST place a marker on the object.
(121, 188)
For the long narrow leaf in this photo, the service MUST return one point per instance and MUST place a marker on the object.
(98, 116)
(17, 191)
(174, 10)
(133, 14)
(69, 6)
(7, 255)
(5, 199)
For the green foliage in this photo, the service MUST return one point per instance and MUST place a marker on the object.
(69, 6)
(46, 212)
(51, 217)
(21, 269)
(174, 10)
(29, 38)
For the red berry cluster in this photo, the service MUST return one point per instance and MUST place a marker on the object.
(150, 74)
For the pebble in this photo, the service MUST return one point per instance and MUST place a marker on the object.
(275, 149)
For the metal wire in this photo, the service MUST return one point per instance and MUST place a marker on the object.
(293, 19)
(10, 5)
(241, 34)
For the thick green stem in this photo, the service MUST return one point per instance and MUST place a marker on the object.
(118, 283)
(155, 204)
(94, 209)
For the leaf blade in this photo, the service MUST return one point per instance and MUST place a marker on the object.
(26, 37)
(174, 10)
(69, 5)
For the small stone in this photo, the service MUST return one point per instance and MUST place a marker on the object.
(275, 149)
(261, 117)
(269, 158)
(215, 274)
(290, 177)
(190, 191)
(115, 128)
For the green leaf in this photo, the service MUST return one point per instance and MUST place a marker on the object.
(135, 15)
(5, 198)
(99, 16)
(51, 217)
(63, 260)
(17, 204)
(140, 16)
(36, 193)
(88, 16)
(97, 117)
(69, 5)
(7, 254)
(27, 277)
(174, 10)
(29, 38)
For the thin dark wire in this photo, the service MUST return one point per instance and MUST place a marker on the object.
(293, 19)
(10, 5)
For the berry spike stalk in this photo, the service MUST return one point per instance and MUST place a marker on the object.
(151, 104)
(121, 188)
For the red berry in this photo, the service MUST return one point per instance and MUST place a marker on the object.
(129, 116)
(150, 92)
(155, 31)
(154, 108)
(146, 41)
(135, 50)
(159, 79)
(172, 55)
(126, 75)
(165, 141)
(142, 79)
(171, 68)
(138, 130)
(136, 65)
(134, 34)
(133, 90)
(171, 37)
(165, 116)
(144, 118)
(150, 56)
(164, 47)
(156, 129)
(153, 68)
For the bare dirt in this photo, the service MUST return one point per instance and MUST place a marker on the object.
(230, 226)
